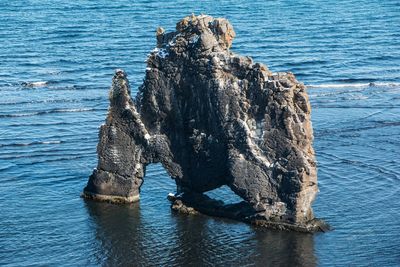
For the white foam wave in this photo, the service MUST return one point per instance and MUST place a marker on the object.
(353, 85)
(35, 84)
(33, 143)
(50, 142)
(46, 112)
(73, 110)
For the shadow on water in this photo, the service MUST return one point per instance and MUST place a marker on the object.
(126, 235)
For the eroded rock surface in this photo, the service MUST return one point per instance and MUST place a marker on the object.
(212, 118)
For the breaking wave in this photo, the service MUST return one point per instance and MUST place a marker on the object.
(58, 110)
(33, 143)
(35, 84)
(354, 85)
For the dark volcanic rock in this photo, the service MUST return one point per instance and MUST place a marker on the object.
(212, 118)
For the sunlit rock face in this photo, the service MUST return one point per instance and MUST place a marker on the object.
(212, 118)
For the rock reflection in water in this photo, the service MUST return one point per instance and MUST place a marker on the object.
(137, 236)
(117, 229)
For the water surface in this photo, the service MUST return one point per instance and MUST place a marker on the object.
(57, 59)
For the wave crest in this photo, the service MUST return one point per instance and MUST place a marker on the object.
(353, 85)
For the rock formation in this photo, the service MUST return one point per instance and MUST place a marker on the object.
(212, 118)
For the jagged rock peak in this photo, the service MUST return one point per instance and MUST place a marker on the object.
(212, 118)
(214, 33)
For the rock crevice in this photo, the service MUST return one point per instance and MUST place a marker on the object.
(212, 118)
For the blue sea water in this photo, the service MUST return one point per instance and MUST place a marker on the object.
(56, 63)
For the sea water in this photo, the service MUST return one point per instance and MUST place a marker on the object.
(57, 59)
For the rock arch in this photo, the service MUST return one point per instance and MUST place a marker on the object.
(212, 118)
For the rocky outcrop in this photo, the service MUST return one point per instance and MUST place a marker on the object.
(212, 118)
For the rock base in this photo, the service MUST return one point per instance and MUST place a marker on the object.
(110, 198)
(195, 203)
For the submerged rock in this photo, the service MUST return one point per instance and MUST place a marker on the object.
(212, 118)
